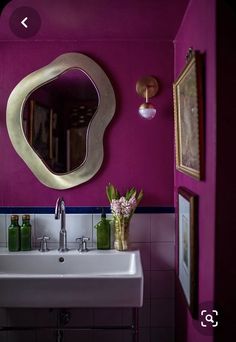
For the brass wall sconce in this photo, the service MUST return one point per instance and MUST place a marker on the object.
(147, 87)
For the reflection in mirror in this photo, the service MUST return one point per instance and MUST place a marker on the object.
(53, 110)
(56, 118)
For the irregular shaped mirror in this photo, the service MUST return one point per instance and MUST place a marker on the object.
(56, 118)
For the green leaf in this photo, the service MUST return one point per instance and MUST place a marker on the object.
(139, 197)
(111, 192)
(127, 195)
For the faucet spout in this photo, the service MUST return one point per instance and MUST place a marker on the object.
(60, 212)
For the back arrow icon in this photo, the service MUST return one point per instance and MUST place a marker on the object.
(23, 22)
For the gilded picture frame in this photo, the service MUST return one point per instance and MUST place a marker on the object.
(188, 249)
(188, 116)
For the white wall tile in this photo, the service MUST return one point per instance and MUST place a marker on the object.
(126, 316)
(140, 225)
(8, 221)
(78, 225)
(47, 225)
(46, 317)
(3, 336)
(81, 317)
(108, 316)
(162, 312)
(3, 237)
(126, 336)
(3, 318)
(21, 336)
(162, 284)
(45, 336)
(21, 317)
(144, 335)
(162, 335)
(162, 227)
(144, 314)
(162, 256)
(106, 336)
(147, 284)
(73, 336)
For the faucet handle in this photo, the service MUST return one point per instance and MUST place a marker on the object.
(83, 240)
(43, 243)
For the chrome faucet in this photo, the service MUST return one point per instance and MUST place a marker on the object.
(60, 211)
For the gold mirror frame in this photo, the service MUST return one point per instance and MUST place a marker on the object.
(97, 126)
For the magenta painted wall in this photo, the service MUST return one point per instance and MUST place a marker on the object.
(198, 31)
(137, 152)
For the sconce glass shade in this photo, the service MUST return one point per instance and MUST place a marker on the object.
(147, 87)
(147, 111)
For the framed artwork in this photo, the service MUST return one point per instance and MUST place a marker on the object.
(40, 133)
(187, 228)
(188, 109)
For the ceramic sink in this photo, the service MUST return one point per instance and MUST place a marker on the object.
(72, 279)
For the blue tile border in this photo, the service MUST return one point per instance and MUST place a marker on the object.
(82, 210)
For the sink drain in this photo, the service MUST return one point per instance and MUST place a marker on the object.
(61, 259)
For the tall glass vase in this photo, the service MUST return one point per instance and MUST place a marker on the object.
(121, 225)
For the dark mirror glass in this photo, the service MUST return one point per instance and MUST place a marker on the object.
(56, 120)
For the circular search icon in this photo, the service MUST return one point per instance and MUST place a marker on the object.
(209, 318)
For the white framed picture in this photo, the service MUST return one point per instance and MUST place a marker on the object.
(187, 229)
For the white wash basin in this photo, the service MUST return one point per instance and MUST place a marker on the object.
(93, 279)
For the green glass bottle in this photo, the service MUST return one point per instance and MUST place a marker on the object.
(14, 234)
(25, 233)
(103, 232)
